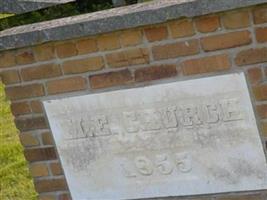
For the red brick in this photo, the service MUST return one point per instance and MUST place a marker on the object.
(111, 79)
(255, 75)
(264, 128)
(31, 123)
(39, 170)
(66, 49)
(50, 185)
(155, 72)
(86, 46)
(131, 37)
(156, 33)
(28, 140)
(20, 108)
(25, 56)
(262, 111)
(260, 15)
(261, 34)
(47, 197)
(225, 41)
(236, 19)
(83, 65)
(128, 57)
(175, 50)
(10, 77)
(40, 72)
(108, 42)
(44, 52)
(181, 28)
(251, 56)
(208, 23)
(36, 106)
(7, 59)
(25, 91)
(260, 92)
(47, 138)
(206, 64)
(56, 169)
(64, 197)
(40, 154)
(66, 85)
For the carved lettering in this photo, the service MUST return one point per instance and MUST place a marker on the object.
(162, 164)
(231, 110)
(138, 122)
(150, 120)
(74, 131)
(169, 117)
(212, 113)
(183, 162)
(87, 127)
(144, 165)
(130, 121)
(191, 116)
(101, 125)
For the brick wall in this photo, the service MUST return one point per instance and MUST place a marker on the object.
(177, 50)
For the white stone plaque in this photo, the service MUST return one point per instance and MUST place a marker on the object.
(182, 138)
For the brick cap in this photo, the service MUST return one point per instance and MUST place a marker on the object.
(157, 11)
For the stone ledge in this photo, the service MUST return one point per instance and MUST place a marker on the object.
(158, 11)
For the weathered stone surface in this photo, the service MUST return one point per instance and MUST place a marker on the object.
(182, 138)
(155, 12)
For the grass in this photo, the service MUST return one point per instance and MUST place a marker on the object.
(5, 15)
(15, 180)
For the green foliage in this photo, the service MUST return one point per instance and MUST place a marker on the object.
(131, 1)
(55, 12)
(5, 15)
(15, 181)
(97, 7)
(38, 16)
(58, 11)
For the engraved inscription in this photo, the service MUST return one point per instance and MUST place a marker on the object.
(183, 138)
(163, 164)
(144, 120)
(144, 165)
